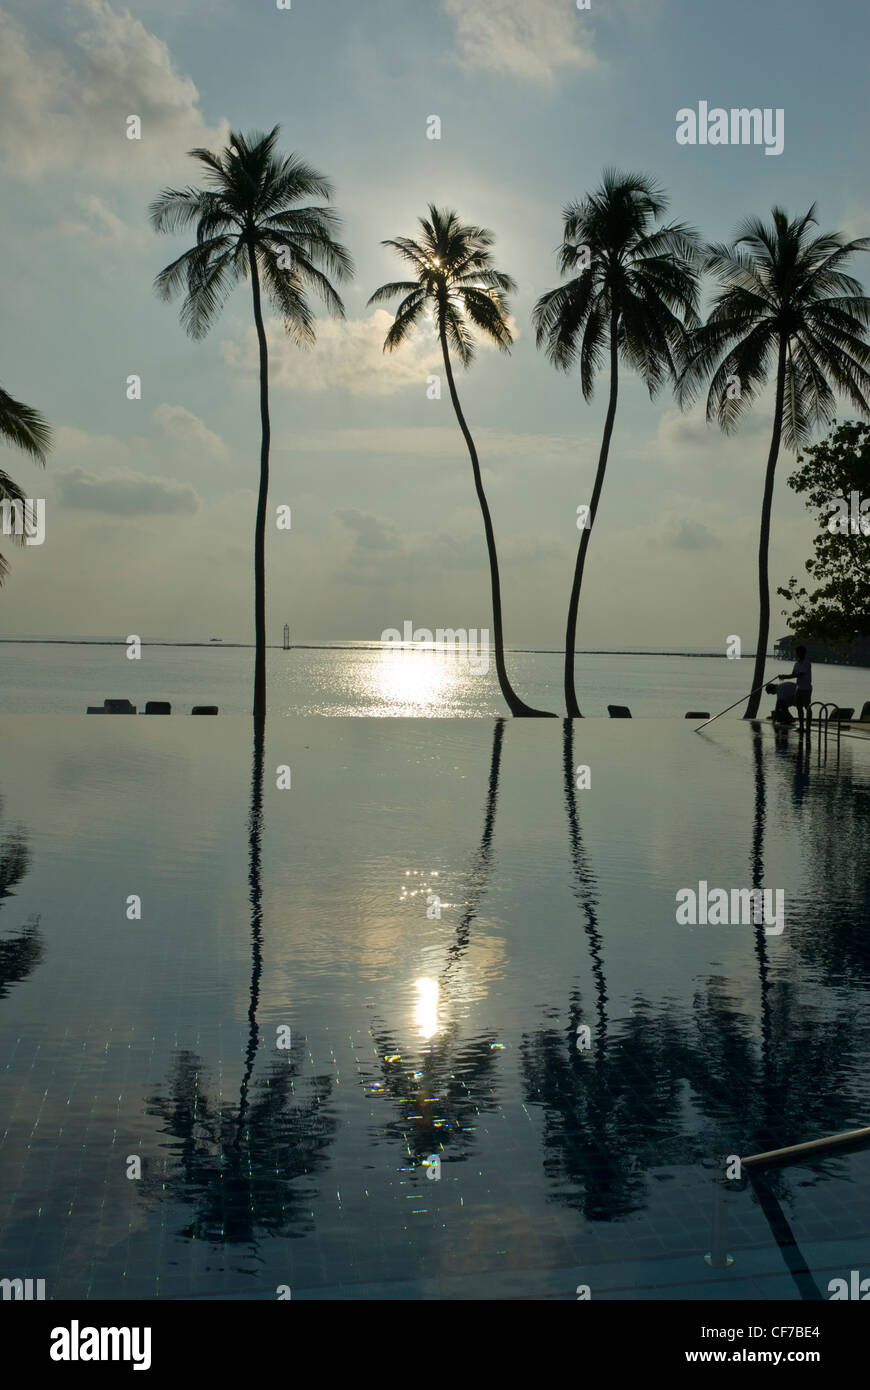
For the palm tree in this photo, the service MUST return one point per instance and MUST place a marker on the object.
(456, 282)
(635, 291)
(248, 222)
(783, 298)
(24, 427)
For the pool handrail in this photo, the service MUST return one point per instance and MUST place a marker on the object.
(796, 1153)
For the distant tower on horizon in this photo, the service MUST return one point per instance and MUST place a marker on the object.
(286, 637)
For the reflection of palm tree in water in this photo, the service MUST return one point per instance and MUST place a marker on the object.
(612, 1112)
(788, 1090)
(778, 1108)
(19, 954)
(440, 1094)
(255, 847)
(835, 938)
(234, 1165)
(479, 877)
(604, 1107)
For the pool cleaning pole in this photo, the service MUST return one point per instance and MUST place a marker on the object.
(725, 711)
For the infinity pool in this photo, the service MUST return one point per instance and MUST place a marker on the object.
(328, 1039)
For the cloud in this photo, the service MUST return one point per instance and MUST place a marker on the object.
(693, 535)
(371, 532)
(125, 494)
(67, 113)
(349, 356)
(529, 39)
(440, 441)
(676, 429)
(396, 558)
(100, 227)
(182, 425)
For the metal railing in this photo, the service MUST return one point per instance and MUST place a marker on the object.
(796, 1153)
(826, 709)
(718, 1256)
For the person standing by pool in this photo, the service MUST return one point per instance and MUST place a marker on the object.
(802, 674)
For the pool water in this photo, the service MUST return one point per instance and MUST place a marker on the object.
(327, 1038)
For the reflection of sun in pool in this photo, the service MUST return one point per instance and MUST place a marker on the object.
(418, 676)
(420, 885)
(426, 1009)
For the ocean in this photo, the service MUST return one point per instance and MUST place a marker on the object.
(64, 676)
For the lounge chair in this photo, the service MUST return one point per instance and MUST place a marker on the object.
(619, 711)
(841, 716)
(158, 707)
(204, 709)
(118, 707)
(698, 714)
(865, 713)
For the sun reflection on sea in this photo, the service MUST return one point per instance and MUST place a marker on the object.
(420, 679)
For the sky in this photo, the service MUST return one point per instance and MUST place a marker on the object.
(150, 503)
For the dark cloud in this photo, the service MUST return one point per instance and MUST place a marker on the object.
(371, 532)
(694, 535)
(125, 494)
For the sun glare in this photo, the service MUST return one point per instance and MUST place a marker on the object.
(426, 1009)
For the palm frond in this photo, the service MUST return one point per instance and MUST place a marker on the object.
(250, 204)
(24, 427)
(456, 278)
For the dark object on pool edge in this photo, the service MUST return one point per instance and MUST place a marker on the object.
(619, 711)
(698, 714)
(865, 712)
(118, 707)
(204, 709)
(842, 716)
(158, 707)
(95, 709)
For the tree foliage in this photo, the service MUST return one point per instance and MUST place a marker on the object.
(838, 609)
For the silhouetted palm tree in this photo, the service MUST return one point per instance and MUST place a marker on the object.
(248, 222)
(785, 301)
(24, 427)
(456, 282)
(635, 291)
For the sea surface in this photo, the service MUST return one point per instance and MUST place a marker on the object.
(378, 680)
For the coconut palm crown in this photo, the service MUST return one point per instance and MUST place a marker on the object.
(786, 305)
(631, 295)
(456, 283)
(252, 219)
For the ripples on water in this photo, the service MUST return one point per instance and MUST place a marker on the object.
(382, 681)
(389, 964)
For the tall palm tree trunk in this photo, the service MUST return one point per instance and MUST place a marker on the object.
(764, 540)
(262, 500)
(513, 701)
(571, 631)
